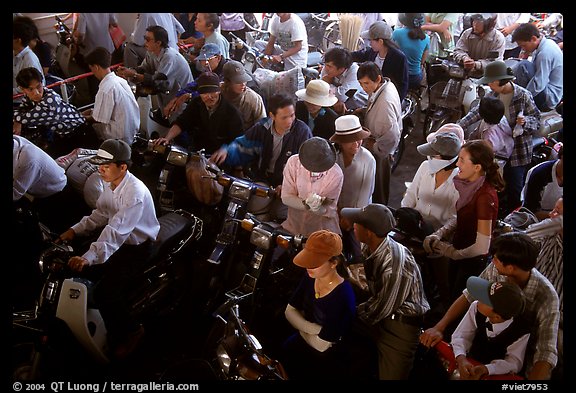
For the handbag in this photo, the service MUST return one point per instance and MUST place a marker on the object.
(521, 218)
(117, 35)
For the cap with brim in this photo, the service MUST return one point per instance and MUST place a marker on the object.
(448, 127)
(348, 129)
(318, 93)
(112, 150)
(505, 298)
(319, 248)
(317, 154)
(208, 51)
(378, 29)
(235, 72)
(375, 217)
(208, 82)
(446, 144)
(495, 71)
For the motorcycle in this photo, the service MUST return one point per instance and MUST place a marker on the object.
(65, 300)
(238, 354)
(65, 49)
(163, 169)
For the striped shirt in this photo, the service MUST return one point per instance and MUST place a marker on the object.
(394, 282)
(543, 301)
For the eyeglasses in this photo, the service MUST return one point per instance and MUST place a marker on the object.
(148, 39)
(208, 59)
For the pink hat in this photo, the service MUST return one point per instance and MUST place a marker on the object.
(448, 127)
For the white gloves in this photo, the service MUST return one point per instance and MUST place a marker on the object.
(314, 201)
(480, 247)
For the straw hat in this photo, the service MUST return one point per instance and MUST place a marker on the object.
(318, 93)
(348, 129)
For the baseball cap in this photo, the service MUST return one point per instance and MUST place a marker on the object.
(374, 217)
(208, 82)
(318, 249)
(235, 72)
(208, 50)
(445, 144)
(112, 150)
(378, 29)
(505, 298)
(448, 127)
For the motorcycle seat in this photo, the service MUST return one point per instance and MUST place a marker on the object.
(172, 226)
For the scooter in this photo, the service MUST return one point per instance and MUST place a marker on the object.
(65, 300)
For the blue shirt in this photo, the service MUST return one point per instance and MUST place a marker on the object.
(412, 48)
(548, 60)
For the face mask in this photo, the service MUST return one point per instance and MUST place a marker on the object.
(436, 164)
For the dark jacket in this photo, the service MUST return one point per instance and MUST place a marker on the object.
(210, 132)
(395, 66)
(323, 124)
(255, 148)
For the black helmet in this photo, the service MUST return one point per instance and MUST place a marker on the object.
(488, 19)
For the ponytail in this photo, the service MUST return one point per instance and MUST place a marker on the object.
(494, 177)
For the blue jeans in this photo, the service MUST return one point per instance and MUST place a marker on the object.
(514, 178)
(524, 72)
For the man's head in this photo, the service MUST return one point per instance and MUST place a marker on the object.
(373, 220)
(527, 37)
(512, 251)
(30, 81)
(336, 61)
(113, 159)
(22, 33)
(209, 88)
(155, 38)
(235, 73)
(483, 23)
(207, 22)
(99, 60)
(281, 111)
(491, 109)
(503, 298)
(209, 57)
(369, 76)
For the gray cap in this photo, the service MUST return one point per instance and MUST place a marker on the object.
(446, 144)
(112, 150)
(378, 29)
(235, 72)
(317, 154)
(374, 217)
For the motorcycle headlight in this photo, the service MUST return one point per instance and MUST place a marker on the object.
(480, 91)
(250, 57)
(240, 190)
(177, 156)
(261, 238)
(456, 71)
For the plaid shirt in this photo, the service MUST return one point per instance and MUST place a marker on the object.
(542, 300)
(394, 282)
(521, 101)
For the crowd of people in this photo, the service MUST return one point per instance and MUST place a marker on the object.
(327, 149)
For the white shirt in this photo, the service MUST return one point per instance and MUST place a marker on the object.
(115, 106)
(464, 334)
(286, 34)
(506, 19)
(127, 215)
(34, 171)
(437, 205)
(26, 58)
(359, 178)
